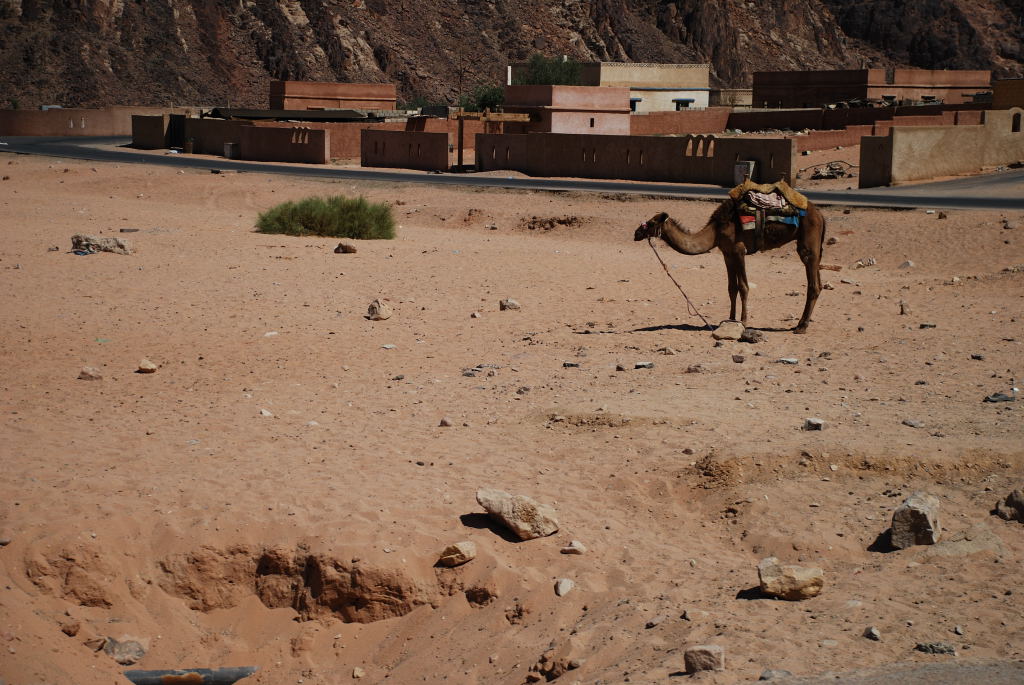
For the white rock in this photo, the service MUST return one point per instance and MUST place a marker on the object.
(378, 310)
(564, 586)
(524, 516)
(574, 547)
(788, 581)
(146, 366)
(507, 304)
(89, 373)
(728, 330)
(458, 554)
(265, 412)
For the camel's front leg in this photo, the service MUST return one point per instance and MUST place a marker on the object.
(740, 267)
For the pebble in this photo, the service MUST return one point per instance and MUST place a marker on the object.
(146, 366)
(907, 265)
(913, 423)
(358, 673)
(926, 325)
(475, 315)
(564, 586)
(570, 365)
(788, 360)
(916, 521)
(978, 357)
(574, 547)
(89, 373)
(738, 358)
(445, 422)
(620, 367)
(959, 630)
(389, 346)
(777, 673)
(814, 424)
(872, 633)
(644, 365)
(507, 304)
(457, 554)
(266, 412)
(935, 648)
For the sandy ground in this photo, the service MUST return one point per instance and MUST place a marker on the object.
(282, 482)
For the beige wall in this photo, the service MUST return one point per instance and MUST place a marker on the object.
(661, 100)
(325, 94)
(569, 109)
(295, 144)
(921, 152)
(632, 75)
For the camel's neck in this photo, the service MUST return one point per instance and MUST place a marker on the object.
(688, 243)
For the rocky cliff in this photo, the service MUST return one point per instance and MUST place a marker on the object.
(160, 52)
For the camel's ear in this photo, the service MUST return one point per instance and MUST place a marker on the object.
(661, 218)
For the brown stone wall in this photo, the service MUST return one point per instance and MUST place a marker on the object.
(296, 144)
(150, 132)
(209, 135)
(111, 121)
(816, 88)
(875, 161)
(686, 159)
(822, 140)
(1008, 93)
(711, 120)
(327, 95)
(406, 150)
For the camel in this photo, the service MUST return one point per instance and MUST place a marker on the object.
(722, 231)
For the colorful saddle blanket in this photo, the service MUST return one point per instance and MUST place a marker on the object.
(757, 205)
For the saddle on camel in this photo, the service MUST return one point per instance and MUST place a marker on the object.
(760, 204)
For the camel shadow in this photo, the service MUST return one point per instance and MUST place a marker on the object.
(670, 327)
(483, 521)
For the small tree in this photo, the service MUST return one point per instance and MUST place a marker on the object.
(483, 97)
(335, 217)
(550, 71)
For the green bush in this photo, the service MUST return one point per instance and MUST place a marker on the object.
(483, 97)
(335, 217)
(550, 71)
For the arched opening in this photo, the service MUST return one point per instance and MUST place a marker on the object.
(1015, 125)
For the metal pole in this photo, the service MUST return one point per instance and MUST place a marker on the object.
(193, 676)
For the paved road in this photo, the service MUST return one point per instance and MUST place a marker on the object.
(1001, 190)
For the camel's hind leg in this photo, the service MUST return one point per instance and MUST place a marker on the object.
(810, 255)
(730, 270)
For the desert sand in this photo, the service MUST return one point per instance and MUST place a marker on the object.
(277, 492)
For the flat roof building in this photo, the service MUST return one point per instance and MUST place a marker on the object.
(328, 95)
(821, 88)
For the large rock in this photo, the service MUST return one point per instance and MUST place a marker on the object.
(704, 658)
(916, 521)
(788, 581)
(99, 243)
(524, 516)
(1012, 508)
(728, 330)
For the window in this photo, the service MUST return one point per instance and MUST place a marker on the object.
(633, 102)
(1015, 126)
(683, 103)
(591, 122)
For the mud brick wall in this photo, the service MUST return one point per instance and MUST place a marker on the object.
(406, 150)
(710, 120)
(295, 144)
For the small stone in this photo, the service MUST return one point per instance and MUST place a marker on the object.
(904, 308)
(1012, 508)
(788, 360)
(959, 630)
(728, 330)
(475, 315)
(70, 628)
(507, 304)
(146, 366)
(655, 622)
(457, 554)
(620, 367)
(90, 243)
(738, 358)
(266, 412)
(789, 581)
(829, 643)
(907, 265)
(704, 658)
(358, 673)
(872, 633)
(574, 547)
(916, 521)
(942, 215)
(125, 653)
(345, 247)
(570, 365)
(644, 365)
(379, 310)
(814, 424)
(751, 336)
(1010, 225)
(89, 373)
(445, 422)
(524, 516)
(777, 673)
(935, 648)
(389, 346)
(978, 357)
(926, 325)
(833, 240)
(564, 586)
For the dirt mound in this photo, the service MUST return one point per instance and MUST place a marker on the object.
(537, 223)
(315, 585)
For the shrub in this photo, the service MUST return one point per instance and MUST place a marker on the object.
(483, 97)
(335, 217)
(550, 71)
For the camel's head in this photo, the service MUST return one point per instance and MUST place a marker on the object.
(651, 228)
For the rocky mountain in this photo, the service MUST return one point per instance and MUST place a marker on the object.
(215, 52)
